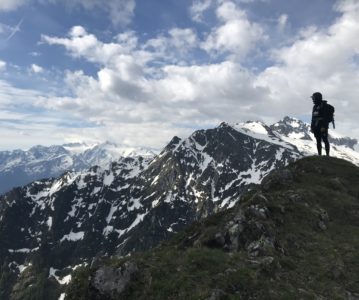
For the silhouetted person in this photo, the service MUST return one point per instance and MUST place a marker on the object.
(319, 125)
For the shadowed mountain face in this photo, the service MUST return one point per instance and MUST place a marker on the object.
(296, 236)
(51, 227)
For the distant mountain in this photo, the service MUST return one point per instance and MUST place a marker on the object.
(52, 226)
(298, 133)
(19, 167)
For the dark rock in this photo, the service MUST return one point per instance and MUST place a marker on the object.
(110, 281)
(217, 295)
(218, 241)
(276, 179)
(322, 225)
(261, 247)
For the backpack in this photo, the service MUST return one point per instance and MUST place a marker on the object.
(329, 113)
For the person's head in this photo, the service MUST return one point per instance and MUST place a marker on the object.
(317, 98)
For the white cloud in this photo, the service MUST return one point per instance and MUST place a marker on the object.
(172, 47)
(77, 31)
(36, 69)
(228, 10)
(20, 125)
(2, 65)
(8, 5)
(183, 38)
(35, 54)
(120, 11)
(237, 35)
(282, 22)
(129, 92)
(197, 9)
(346, 6)
(81, 44)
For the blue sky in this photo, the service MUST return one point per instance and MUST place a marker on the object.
(138, 72)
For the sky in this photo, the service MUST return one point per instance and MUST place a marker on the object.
(138, 72)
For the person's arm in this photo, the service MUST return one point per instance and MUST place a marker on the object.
(312, 122)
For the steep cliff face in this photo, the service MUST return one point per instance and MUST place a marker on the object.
(294, 237)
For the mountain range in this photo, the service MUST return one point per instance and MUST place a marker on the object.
(51, 227)
(20, 167)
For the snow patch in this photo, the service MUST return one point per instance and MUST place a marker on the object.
(49, 222)
(259, 132)
(155, 203)
(109, 178)
(255, 127)
(136, 204)
(22, 268)
(107, 230)
(110, 214)
(64, 280)
(23, 250)
(96, 190)
(62, 296)
(73, 236)
(137, 221)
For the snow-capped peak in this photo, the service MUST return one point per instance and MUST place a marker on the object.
(291, 122)
(261, 131)
(77, 148)
(113, 150)
(255, 127)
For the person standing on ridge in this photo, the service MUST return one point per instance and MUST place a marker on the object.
(320, 122)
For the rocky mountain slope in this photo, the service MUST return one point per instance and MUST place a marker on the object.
(51, 227)
(294, 237)
(19, 167)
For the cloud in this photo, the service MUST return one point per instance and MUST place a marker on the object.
(120, 11)
(282, 22)
(236, 35)
(130, 92)
(19, 113)
(347, 6)
(2, 65)
(197, 9)
(77, 31)
(8, 5)
(36, 69)
(183, 38)
(81, 44)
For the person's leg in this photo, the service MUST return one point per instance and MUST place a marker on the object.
(318, 137)
(326, 142)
